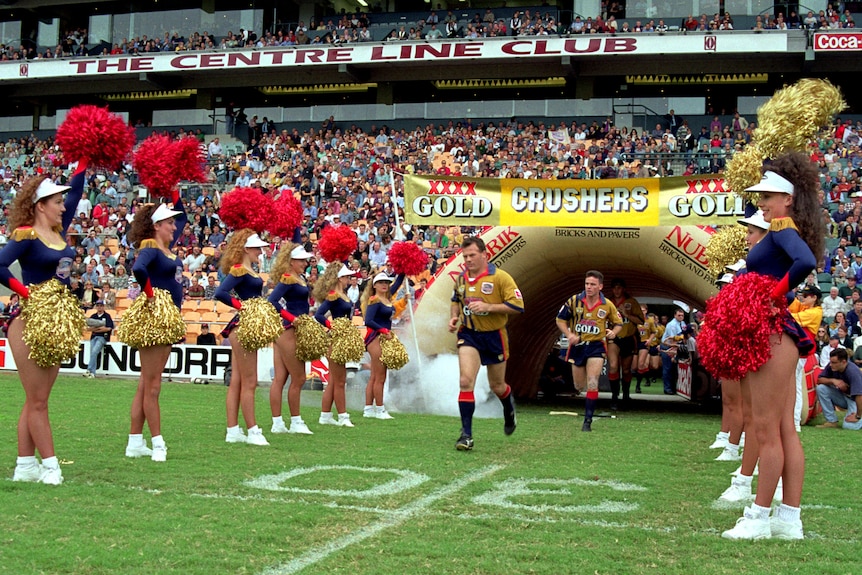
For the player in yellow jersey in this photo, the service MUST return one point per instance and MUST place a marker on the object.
(623, 348)
(484, 298)
(587, 320)
(647, 337)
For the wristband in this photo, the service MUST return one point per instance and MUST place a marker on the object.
(148, 289)
(288, 316)
(235, 303)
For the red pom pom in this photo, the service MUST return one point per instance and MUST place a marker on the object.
(189, 160)
(162, 163)
(286, 215)
(736, 328)
(245, 208)
(95, 136)
(337, 243)
(154, 163)
(407, 258)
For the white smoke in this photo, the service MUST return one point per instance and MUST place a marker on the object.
(431, 386)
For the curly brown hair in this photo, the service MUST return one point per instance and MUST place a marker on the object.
(805, 210)
(327, 282)
(235, 250)
(281, 265)
(142, 227)
(23, 212)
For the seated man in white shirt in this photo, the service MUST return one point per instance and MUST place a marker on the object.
(824, 353)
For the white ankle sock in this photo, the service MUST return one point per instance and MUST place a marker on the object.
(722, 435)
(26, 460)
(295, 419)
(760, 512)
(136, 439)
(254, 429)
(325, 415)
(158, 441)
(787, 513)
(234, 429)
(734, 449)
(743, 480)
(277, 419)
(50, 462)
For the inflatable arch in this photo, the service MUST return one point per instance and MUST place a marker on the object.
(548, 264)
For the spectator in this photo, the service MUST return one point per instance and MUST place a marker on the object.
(100, 325)
(840, 385)
(833, 304)
(205, 337)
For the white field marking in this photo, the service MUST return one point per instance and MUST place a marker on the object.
(406, 480)
(406, 511)
(503, 492)
(721, 505)
(389, 520)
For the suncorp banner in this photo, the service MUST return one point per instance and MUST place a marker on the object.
(441, 200)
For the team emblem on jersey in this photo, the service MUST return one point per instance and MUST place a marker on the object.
(602, 313)
(487, 288)
(178, 275)
(64, 268)
(518, 294)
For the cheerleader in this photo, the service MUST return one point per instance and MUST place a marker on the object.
(331, 289)
(290, 298)
(244, 247)
(378, 310)
(788, 198)
(155, 230)
(39, 219)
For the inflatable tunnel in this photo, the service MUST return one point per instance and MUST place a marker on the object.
(549, 263)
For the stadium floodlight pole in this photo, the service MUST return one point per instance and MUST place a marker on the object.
(399, 235)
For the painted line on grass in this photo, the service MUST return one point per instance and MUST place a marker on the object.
(392, 520)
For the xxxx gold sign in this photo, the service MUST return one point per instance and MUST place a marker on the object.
(447, 200)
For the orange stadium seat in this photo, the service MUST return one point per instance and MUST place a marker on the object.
(209, 317)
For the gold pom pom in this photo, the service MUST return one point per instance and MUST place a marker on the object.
(312, 341)
(347, 343)
(259, 324)
(54, 323)
(393, 354)
(743, 171)
(726, 246)
(795, 114)
(152, 322)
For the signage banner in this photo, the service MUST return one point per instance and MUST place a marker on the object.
(186, 362)
(682, 200)
(443, 51)
(837, 42)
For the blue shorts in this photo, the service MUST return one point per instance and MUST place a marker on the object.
(493, 346)
(642, 345)
(579, 354)
(627, 345)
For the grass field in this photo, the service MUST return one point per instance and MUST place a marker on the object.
(392, 497)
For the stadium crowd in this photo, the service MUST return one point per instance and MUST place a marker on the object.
(343, 176)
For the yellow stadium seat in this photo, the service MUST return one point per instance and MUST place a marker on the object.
(208, 250)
